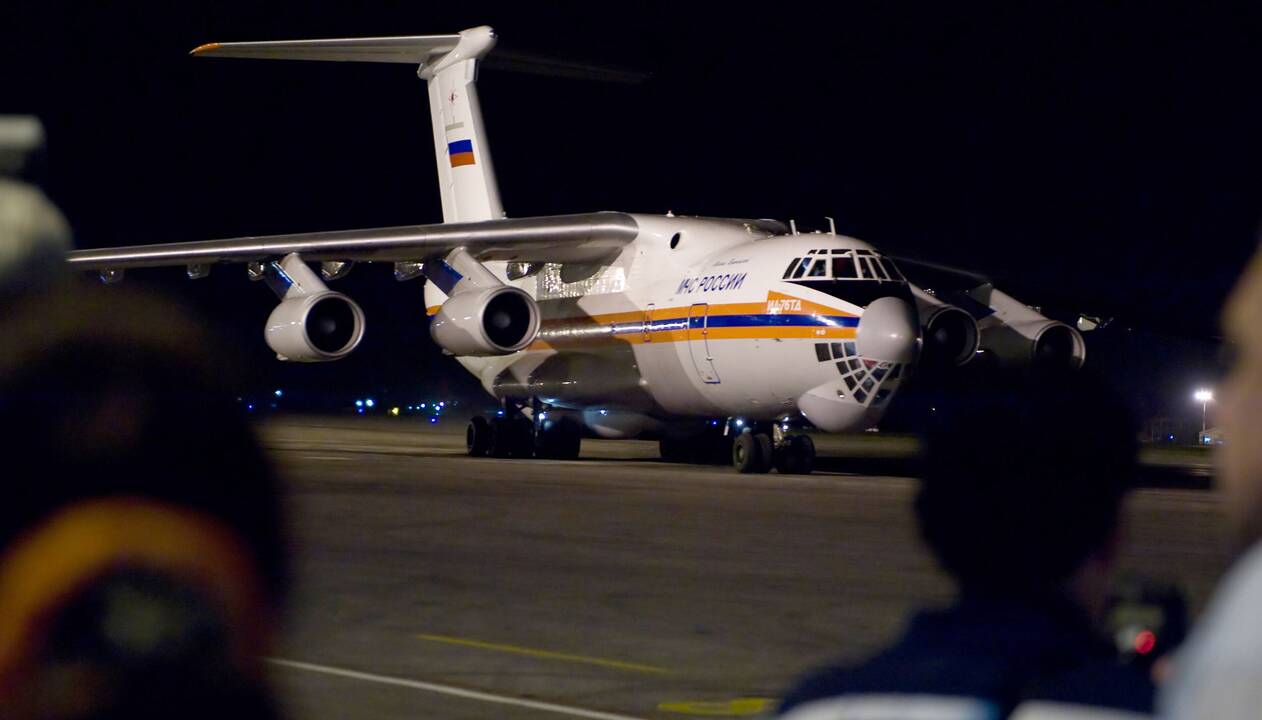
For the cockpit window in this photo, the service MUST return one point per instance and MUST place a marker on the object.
(843, 264)
(843, 267)
(865, 269)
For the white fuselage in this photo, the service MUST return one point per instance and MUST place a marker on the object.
(694, 319)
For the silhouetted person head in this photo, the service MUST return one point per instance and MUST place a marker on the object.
(141, 554)
(1024, 476)
(1240, 401)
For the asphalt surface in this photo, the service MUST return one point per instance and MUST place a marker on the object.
(430, 584)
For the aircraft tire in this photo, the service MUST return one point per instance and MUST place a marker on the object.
(510, 437)
(746, 454)
(765, 456)
(478, 437)
(799, 456)
(562, 441)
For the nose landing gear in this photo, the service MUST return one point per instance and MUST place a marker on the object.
(751, 447)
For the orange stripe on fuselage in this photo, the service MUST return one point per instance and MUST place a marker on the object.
(611, 328)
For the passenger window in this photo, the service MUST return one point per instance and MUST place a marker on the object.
(843, 268)
(801, 268)
(819, 269)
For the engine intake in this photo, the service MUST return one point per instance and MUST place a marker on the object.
(495, 321)
(951, 337)
(319, 327)
(1048, 344)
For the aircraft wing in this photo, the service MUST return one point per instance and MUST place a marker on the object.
(587, 238)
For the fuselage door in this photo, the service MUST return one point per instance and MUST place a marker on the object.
(699, 342)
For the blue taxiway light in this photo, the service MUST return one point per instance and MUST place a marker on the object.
(279, 393)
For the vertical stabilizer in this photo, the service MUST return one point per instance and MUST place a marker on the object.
(466, 176)
(449, 66)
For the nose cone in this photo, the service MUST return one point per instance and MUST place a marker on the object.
(889, 331)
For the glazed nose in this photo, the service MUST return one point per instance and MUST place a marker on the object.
(889, 331)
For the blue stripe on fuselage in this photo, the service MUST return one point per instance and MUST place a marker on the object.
(738, 321)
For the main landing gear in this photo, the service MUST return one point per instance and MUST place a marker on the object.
(511, 434)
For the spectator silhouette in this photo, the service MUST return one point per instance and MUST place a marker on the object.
(141, 558)
(1219, 673)
(1023, 480)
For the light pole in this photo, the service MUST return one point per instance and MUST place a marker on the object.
(1204, 396)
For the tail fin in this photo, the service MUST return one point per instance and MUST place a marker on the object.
(449, 65)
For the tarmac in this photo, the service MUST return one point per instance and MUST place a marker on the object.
(431, 584)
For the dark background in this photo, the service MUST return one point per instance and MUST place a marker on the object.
(1094, 159)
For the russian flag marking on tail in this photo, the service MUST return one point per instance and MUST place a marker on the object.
(461, 152)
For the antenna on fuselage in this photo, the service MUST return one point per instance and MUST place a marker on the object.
(832, 226)
(793, 226)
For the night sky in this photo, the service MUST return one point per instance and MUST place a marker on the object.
(1098, 159)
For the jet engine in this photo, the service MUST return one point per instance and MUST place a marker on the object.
(951, 337)
(1019, 335)
(492, 321)
(318, 327)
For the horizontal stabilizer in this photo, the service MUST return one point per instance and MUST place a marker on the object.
(413, 49)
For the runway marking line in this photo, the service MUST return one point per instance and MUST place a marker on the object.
(545, 654)
(452, 691)
(737, 707)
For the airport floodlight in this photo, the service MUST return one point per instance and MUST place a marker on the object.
(1204, 396)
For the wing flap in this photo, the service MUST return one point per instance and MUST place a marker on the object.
(590, 237)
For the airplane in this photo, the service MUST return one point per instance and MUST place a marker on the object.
(716, 336)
